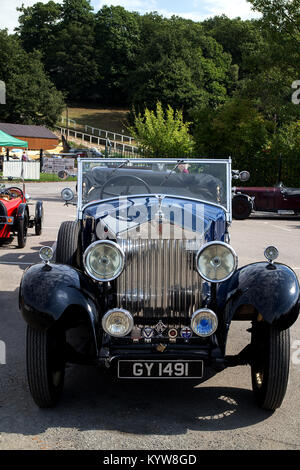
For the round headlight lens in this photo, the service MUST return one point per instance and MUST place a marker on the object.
(104, 260)
(117, 322)
(204, 322)
(216, 261)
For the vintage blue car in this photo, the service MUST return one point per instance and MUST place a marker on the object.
(146, 284)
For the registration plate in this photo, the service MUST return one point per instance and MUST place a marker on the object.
(156, 369)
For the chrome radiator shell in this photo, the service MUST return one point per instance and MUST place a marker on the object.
(160, 279)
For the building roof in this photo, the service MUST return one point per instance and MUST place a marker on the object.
(20, 130)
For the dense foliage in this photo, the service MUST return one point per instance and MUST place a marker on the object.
(231, 79)
(162, 133)
(31, 97)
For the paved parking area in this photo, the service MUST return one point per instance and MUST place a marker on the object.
(100, 414)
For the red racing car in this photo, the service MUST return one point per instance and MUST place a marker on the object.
(14, 215)
(279, 199)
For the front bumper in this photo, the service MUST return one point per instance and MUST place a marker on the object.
(212, 358)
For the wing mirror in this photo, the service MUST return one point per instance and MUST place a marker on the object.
(240, 175)
(244, 176)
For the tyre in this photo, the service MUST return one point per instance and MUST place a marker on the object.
(39, 215)
(270, 367)
(67, 251)
(45, 356)
(22, 230)
(38, 227)
(241, 207)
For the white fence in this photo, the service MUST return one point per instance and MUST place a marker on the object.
(93, 139)
(26, 170)
(110, 135)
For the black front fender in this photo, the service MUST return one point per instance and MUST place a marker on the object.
(46, 291)
(271, 290)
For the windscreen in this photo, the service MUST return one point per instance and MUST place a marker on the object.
(206, 180)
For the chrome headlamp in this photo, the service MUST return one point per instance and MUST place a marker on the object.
(216, 261)
(104, 260)
(117, 322)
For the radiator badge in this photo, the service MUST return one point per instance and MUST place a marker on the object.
(186, 332)
(160, 328)
(172, 333)
(148, 334)
(136, 334)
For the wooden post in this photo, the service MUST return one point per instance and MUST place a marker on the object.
(67, 123)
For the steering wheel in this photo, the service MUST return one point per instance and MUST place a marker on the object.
(14, 191)
(121, 178)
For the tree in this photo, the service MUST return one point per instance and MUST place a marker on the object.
(281, 23)
(162, 133)
(64, 34)
(280, 16)
(243, 40)
(176, 63)
(31, 97)
(117, 37)
(235, 129)
(38, 26)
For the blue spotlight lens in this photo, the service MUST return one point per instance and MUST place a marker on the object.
(204, 322)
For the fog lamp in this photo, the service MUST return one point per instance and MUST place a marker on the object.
(46, 253)
(117, 322)
(204, 322)
(271, 253)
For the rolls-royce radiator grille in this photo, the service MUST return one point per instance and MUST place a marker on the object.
(159, 279)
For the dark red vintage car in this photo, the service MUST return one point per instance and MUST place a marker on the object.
(278, 199)
(14, 215)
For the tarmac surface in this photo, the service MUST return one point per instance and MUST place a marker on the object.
(102, 413)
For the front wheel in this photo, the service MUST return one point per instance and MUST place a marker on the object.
(45, 354)
(67, 251)
(270, 366)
